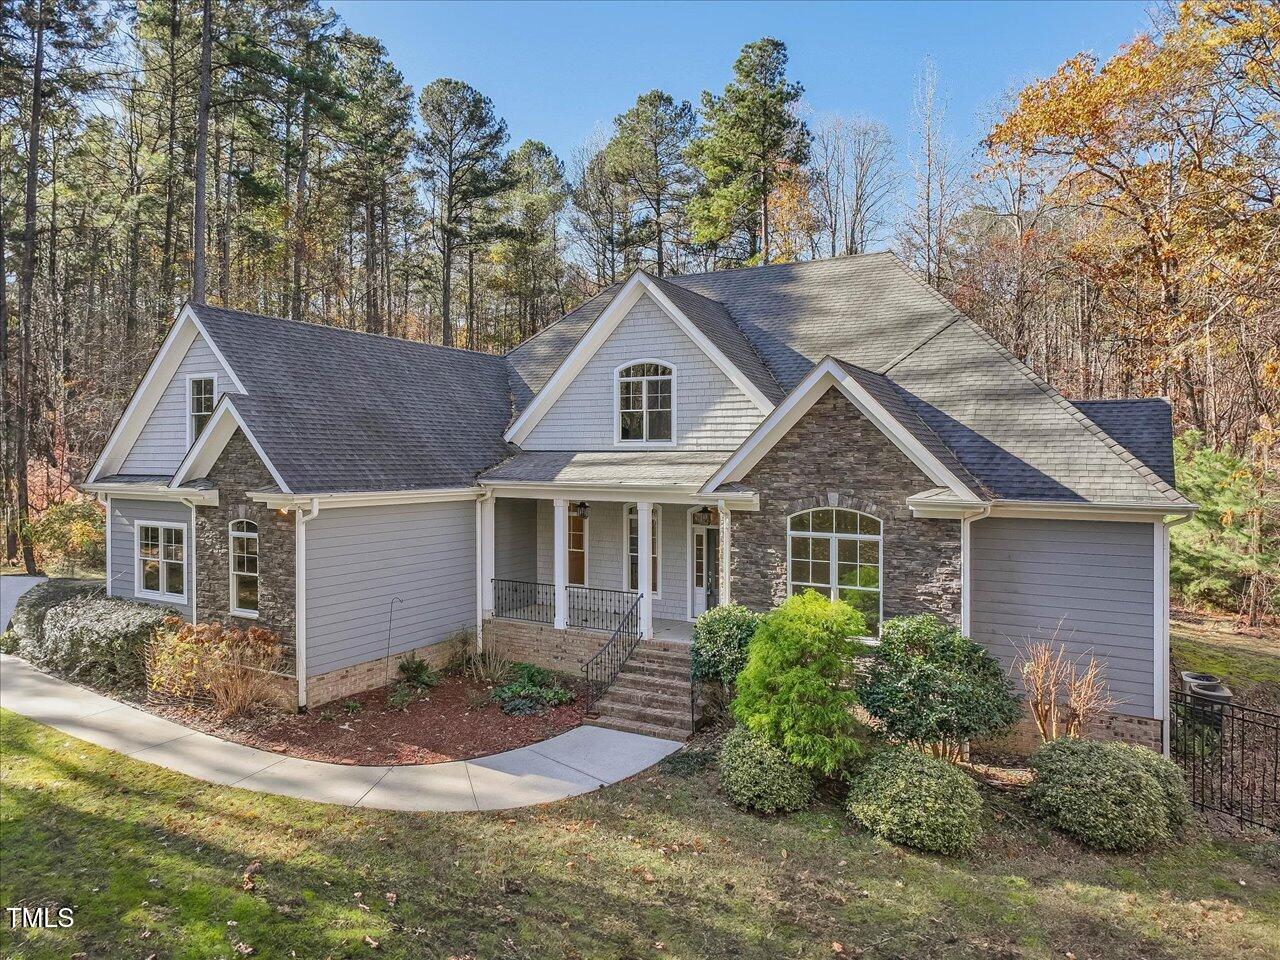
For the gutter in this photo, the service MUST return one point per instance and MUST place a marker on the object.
(300, 598)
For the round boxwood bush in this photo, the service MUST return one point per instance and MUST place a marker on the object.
(757, 775)
(918, 801)
(720, 639)
(27, 625)
(1177, 800)
(95, 640)
(1102, 794)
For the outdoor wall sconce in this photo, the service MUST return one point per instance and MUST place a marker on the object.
(581, 509)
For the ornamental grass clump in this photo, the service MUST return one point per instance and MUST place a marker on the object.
(906, 797)
(1105, 794)
(794, 691)
(757, 776)
(235, 670)
(934, 688)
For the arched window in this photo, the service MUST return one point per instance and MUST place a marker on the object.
(837, 552)
(244, 567)
(645, 411)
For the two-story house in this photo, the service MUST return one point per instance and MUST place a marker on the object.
(671, 445)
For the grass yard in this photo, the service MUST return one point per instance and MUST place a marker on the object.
(660, 866)
(1249, 663)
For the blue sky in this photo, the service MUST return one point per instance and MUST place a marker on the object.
(559, 71)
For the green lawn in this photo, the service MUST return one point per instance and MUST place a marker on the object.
(1248, 663)
(659, 866)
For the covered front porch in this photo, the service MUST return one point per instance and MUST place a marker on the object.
(569, 557)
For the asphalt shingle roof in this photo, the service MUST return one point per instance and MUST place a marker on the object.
(614, 468)
(1143, 426)
(340, 411)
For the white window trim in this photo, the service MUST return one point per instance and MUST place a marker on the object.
(707, 571)
(160, 595)
(232, 533)
(586, 547)
(617, 407)
(834, 580)
(626, 548)
(191, 417)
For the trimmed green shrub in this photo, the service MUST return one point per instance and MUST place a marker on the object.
(530, 690)
(757, 775)
(95, 640)
(27, 624)
(905, 797)
(793, 690)
(720, 640)
(1177, 799)
(1102, 794)
(417, 672)
(930, 685)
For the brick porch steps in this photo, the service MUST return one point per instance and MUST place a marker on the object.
(650, 695)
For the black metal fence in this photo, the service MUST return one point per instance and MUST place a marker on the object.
(598, 609)
(1230, 756)
(522, 600)
(603, 668)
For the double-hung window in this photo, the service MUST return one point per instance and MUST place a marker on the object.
(160, 571)
(244, 568)
(633, 551)
(201, 392)
(645, 409)
(577, 549)
(838, 553)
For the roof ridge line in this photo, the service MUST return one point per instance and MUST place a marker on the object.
(1118, 450)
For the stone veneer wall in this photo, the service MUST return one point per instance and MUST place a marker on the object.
(237, 471)
(834, 456)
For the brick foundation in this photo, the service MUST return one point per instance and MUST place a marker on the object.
(355, 679)
(1025, 737)
(564, 651)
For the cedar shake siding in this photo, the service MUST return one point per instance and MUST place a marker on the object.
(237, 472)
(835, 457)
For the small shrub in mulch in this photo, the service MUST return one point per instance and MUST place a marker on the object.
(531, 690)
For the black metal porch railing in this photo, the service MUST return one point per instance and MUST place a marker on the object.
(603, 667)
(1230, 756)
(522, 600)
(597, 609)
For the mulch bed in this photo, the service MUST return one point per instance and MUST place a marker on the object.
(445, 724)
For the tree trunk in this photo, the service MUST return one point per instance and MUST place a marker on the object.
(300, 211)
(170, 191)
(6, 416)
(372, 323)
(446, 289)
(202, 150)
(26, 282)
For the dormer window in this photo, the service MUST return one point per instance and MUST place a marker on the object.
(200, 398)
(644, 402)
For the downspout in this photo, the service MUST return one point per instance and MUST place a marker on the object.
(966, 579)
(300, 598)
(1162, 629)
(480, 569)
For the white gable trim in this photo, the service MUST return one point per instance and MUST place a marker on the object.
(826, 374)
(636, 286)
(202, 456)
(163, 367)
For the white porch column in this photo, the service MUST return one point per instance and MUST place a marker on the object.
(725, 534)
(561, 565)
(644, 567)
(487, 555)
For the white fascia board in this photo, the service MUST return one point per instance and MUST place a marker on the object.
(291, 501)
(826, 374)
(619, 493)
(186, 327)
(149, 491)
(221, 427)
(1118, 512)
(595, 337)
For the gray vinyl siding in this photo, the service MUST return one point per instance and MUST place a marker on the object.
(1092, 582)
(125, 515)
(162, 443)
(711, 411)
(515, 539)
(358, 559)
(606, 551)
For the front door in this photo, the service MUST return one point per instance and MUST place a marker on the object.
(705, 568)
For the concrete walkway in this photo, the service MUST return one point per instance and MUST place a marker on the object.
(584, 759)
